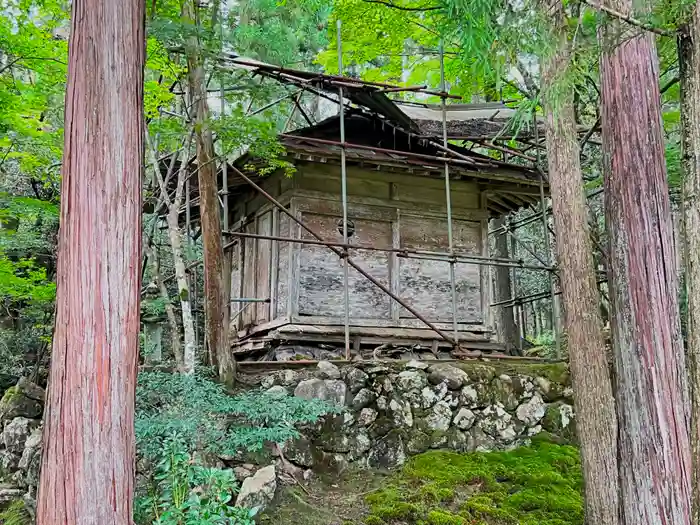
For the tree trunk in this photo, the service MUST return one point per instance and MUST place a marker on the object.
(689, 59)
(175, 343)
(187, 358)
(652, 394)
(87, 474)
(183, 289)
(507, 327)
(215, 294)
(593, 394)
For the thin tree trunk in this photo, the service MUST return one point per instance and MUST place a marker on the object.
(175, 342)
(87, 473)
(689, 58)
(215, 293)
(187, 364)
(593, 395)
(652, 393)
(503, 291)
(537, 318)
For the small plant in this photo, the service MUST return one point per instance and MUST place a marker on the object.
(207, 418)
(15, 514)
(179, 415)
(180, 492)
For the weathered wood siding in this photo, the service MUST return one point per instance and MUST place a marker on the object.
(321, 272)
(388, 209)
(281, 304)
(425, 284)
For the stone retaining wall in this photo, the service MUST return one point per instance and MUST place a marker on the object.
(392, 411)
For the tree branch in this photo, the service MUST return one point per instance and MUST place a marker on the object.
(625, 18)
(388, 3)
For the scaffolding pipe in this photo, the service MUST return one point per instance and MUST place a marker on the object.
(401, 252)
(532, 298)
(527, 248)
(545, 232)
(342, 254)
(344, 197)
(448, 196)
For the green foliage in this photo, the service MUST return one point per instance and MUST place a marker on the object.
(536, 485)
(181, 492)
(205, 417)
(153, 308)
(15, 514)
(31, 87)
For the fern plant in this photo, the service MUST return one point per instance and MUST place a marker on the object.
(15, 514)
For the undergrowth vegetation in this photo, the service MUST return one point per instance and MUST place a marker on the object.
(180, 420)
(536, 485)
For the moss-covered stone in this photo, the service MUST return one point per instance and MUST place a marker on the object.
(536, 485)
(559, 420)
(418, 442)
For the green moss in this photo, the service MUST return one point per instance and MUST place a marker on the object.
(374, 520)
(15, 514)
(436, 493)
(10, 394)
(439, 517)
(540, 484)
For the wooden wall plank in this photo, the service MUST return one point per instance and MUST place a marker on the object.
(321, 272)
(262, 267)
(425, 284)
(283, 274)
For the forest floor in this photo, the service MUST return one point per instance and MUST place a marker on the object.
(536, 485)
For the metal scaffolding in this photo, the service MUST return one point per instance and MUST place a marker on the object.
(449, 157)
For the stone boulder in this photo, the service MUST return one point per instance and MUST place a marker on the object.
(387, 452)
(452, 376)
(464, 419)
(25, 399)
(331, 390)
(363, 398)
(440, 417)
(259, 489)
(412, 381)
(356, 379)
(417, 365)
(559, 421)
(327, 370)
(16, 432)
(532, 411)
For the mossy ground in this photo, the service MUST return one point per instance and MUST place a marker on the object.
(536, 485)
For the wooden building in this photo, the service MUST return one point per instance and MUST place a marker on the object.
(396, 199)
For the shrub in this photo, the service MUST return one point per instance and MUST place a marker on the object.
(177, 416)
(202, 414)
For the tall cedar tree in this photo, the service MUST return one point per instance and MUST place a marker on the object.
(689, 59)
(216, 298)
(87, 473)
(595, 404)
(652, 393)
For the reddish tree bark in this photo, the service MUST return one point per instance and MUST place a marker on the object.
(652, 394)
(593, 394)
(87, 474)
